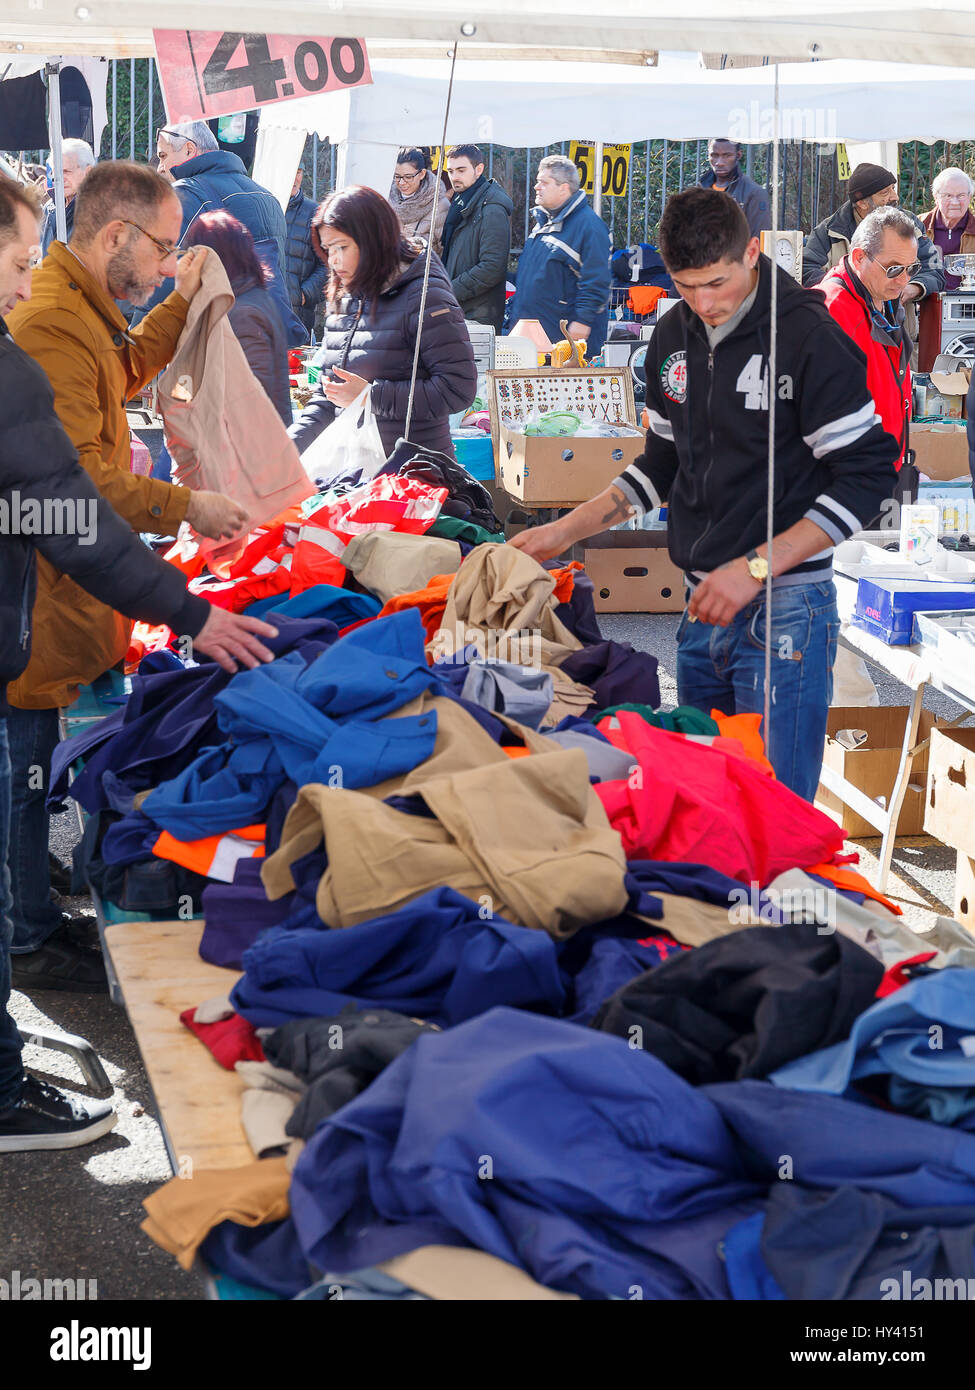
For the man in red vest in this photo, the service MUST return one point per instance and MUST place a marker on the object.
(863, 294)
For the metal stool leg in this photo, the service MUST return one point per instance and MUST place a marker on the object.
(80, 1051)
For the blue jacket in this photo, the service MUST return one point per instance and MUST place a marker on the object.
(564, 273)
(304, 272)
(49, 227)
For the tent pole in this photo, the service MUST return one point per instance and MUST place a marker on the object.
(53, 71)
(428, 254)
(772, 393)
(597, 178)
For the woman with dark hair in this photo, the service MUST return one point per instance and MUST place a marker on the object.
(371, 326)
(412, 196)
(254, 316)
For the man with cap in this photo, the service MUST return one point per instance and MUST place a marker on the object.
(869, 187)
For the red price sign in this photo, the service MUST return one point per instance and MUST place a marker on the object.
(206, 73)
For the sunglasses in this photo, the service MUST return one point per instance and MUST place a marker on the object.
(893, 271)
(165, 249)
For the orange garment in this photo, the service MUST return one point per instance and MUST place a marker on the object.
(145, 639)
(643, 298)
(215, 856)
(565, 581)
(849, 878)
(431, 602)
(513, 751)
(185, 555)
(744, 729)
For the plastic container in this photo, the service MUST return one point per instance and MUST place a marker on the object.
(477, 456)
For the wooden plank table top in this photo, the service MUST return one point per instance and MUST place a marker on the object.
(161, 974)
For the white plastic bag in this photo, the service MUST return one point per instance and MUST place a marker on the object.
(347, 444)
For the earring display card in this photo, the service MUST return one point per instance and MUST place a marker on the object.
(560, 471)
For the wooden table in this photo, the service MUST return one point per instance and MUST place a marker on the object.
(161, 974)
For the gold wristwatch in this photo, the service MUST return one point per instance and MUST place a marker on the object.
(757, 566)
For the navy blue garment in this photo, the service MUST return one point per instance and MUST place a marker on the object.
(321, 722)
(686, 880)
(921, 1033)
(267, 1257)
(832, 1142)
(558, 1149)
(613, 962)
(579, 614)
(849, 1245)
(436, 958)
(167, 720)
(616, 673)
(305, 274)
(129, 840)
(320, 601)
(236, 913)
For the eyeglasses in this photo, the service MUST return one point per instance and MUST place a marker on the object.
(893, 271)
(166, 250)
(406, 178)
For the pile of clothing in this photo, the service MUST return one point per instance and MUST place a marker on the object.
(544, 993)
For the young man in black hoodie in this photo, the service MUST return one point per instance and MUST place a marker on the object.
(706, 456)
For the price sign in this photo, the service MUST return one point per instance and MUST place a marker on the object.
(206, 73)
(843, 170)
(616, 166)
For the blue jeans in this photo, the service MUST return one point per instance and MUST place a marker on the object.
(724, 668)
(11, 1067)
(33, 737)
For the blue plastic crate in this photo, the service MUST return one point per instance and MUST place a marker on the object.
(477, 456)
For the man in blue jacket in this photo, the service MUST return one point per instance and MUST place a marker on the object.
(563, 272)
(205, 178)
(304, 272)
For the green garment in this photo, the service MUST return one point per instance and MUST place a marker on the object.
(454, 529)
(685, 719)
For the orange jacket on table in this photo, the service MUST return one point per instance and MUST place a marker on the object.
(77, 333)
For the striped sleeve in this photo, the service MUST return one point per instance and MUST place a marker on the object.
(646, 483)
(841, 427)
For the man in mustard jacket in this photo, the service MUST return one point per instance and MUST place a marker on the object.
(127, 221)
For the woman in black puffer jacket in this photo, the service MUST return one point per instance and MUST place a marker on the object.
(373, 299)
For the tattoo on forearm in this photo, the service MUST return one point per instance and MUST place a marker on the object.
(622, 511)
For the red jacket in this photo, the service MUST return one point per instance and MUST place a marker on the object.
(888, 364)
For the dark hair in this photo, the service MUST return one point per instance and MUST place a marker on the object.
(114, 190)
(234, 245)
(470, 152)
(699, 227)
(367, 219)
(14, 196)
(723, 140)
(409, 154)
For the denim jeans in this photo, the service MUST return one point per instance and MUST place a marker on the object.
(11, 1068)
(724, 668)
(33, 737)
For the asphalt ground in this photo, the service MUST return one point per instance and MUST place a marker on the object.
(76, 1214)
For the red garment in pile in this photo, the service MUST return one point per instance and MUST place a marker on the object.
(231, 1040)
(899, 975)
(701, 805)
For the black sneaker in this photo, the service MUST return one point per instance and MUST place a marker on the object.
(60, 874)
(61, 963)
(46, 1118)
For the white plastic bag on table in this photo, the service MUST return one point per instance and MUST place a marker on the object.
(346, 443)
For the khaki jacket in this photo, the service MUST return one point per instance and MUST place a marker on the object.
(77, 333)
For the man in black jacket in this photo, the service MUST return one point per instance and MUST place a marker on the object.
(477, 237)
(869, 187)
(48, 503)
(304, 272)
(706, 449)
(727, 176)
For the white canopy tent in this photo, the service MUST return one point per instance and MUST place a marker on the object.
(909, 31)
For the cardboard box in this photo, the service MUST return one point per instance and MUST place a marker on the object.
(873, 766)
(949, 807)
(561, 471)
(940, 451)
(965, 891)
(952, 387)
(631, 572)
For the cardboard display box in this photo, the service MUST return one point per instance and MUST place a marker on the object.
(561, 471)
(631, 572)
(873, 766)
(949, 807)
(941, 451)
